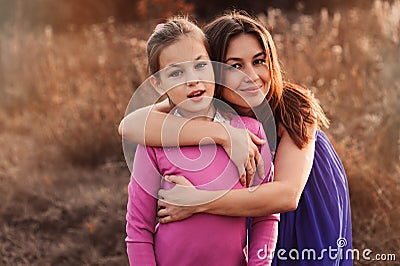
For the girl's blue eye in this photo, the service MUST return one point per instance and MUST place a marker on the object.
(176, 73)
(200, 65)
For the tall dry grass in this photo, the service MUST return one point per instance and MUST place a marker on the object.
(74, 85)
(63, 94)
(63, 180)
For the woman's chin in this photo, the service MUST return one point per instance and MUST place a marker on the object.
(254, 101)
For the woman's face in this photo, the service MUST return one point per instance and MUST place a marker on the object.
(246, 88)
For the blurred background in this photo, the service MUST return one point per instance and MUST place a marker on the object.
(69, 68)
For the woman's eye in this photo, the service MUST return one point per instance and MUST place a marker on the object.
(176, 73)
(259, 61)
(200, 65)
(234, 66)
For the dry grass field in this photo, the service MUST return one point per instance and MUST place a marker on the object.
(62, 173)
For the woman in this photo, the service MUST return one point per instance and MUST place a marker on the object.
(310, 187)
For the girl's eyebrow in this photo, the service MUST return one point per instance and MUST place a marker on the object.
(200, 57)
(196, 59)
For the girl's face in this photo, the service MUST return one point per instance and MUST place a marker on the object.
(187, 77)
(246, 90)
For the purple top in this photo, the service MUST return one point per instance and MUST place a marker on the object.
(202, 239)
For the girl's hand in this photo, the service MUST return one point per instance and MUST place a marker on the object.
(178, 203)
(243, 152)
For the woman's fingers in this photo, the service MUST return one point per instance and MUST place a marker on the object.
(256, 140)
(181, 194)
(245, 154)
(260, 165)
(249, 171)
(242, 173)
(257, 155)
(165, 220)
(243, 179)
(170, 213)
(161, 204)
(254, 168)
(161, 194)
(252, 162)
(162, 212)
(179, 180)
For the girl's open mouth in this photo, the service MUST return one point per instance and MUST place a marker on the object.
(196, 93)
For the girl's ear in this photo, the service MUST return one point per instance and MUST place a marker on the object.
(155, 82)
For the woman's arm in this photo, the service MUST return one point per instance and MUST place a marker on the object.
(292, 168)
(153, 126)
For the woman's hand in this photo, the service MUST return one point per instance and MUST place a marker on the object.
(243, 152)
(178, 203)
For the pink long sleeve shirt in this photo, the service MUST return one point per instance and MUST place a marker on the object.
(202, 239)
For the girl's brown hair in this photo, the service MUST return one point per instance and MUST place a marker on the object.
(168, 33)
(293, 106)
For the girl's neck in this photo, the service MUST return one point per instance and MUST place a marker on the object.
(206, 115)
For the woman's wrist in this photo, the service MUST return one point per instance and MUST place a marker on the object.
(201, 208)
(207, 199)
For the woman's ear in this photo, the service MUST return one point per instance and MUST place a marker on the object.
(155, 82)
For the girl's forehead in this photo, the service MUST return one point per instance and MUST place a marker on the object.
(184, 49)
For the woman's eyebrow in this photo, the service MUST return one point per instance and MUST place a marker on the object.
(233, 59)
(260, 54)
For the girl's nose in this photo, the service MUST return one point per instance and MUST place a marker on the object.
(191, 83)
(192, 79)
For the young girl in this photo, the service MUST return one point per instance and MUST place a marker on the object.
(310, 186)
(203, 239)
